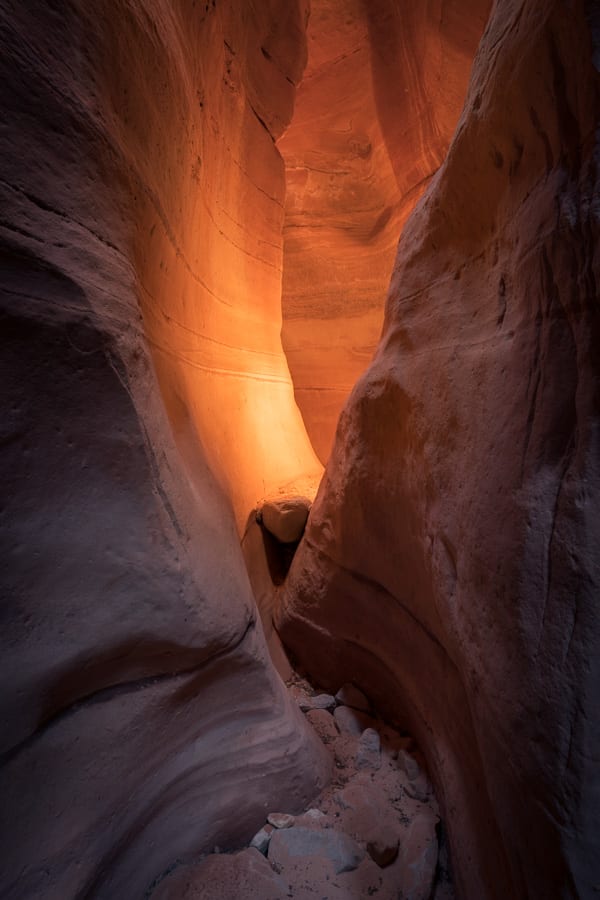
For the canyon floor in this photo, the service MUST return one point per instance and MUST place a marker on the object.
(374, 832)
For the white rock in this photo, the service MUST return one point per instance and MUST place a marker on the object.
(368, 754)
(383, 850)
(281, 820)
(261, 840)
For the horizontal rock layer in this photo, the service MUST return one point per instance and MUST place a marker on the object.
(450, 564)
(374, 116)
(142, 202)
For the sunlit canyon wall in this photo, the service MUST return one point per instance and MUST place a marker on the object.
(374, 115)
(146, 399)
(451, 563)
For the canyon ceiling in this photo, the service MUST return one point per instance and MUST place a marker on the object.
(201, 205)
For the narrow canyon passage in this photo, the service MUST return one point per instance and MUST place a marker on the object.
(203, 302)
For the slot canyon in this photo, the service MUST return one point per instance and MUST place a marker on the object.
(301, 448)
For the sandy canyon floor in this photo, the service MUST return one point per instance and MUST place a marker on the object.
(374, 832)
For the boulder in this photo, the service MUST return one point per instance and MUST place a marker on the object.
(293, 844)
(285, 517)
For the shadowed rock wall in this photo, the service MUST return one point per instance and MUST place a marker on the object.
(141, 720)
(451, 560)
(375, 113)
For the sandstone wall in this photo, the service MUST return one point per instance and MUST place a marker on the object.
(141, 197)
(451, 561)
(375, 113)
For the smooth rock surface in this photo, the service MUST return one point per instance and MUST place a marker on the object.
(285, 518)
(451, 562)
(374, 116)
(335, 847)
(140, 236)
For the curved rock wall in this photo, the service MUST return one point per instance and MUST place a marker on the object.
(451, 560)
(142, 722)
(374, 116)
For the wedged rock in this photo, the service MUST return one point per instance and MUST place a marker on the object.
(285, 517)
(350, 695)
(290, 845)
(281, 820)
(351, 721)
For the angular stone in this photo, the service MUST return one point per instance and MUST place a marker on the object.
(297, 843)
(349, 695)
(368, 754)
(285, 518)
(281, 820)
(350, 721)
(223, 877)
(419, 789)
(261, 839)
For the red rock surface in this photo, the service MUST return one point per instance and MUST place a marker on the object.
(450, 562)
(141, 719)
(374, 115)
(450, 565)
